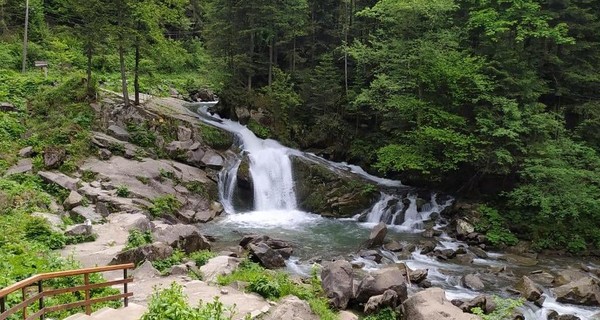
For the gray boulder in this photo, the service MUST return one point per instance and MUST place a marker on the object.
(221, 265)
(79, 230)
(22, 166)
(86, 213)
(528, 289)
(118, 132)
(291, 308)
(181, 236)
(213, 160)
(184, 133)
(377, 235)
(59, 179)
(266, 256)
(337, 282)
(473, 282)
(145, 271)
(104, 154)
(377, 282)
(54, 157)
(149, 252)
(26, 152)
(73, 200)
(463, 228)
(568, 275)
(584, 291)
(389, 299)
(431, 304)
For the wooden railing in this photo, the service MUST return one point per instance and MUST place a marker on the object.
(38, 281)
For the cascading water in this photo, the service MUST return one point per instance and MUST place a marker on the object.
(275, 210)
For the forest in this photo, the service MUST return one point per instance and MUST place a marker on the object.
(492, 101)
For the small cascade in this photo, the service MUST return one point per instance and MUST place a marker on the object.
(271, 170)
(403, 213)
(228, 178)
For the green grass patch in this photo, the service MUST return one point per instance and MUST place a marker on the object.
(165, 205)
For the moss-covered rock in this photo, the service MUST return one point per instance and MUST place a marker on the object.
(331, 193)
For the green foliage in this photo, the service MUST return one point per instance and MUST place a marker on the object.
(165, 265)
(164, 205)
(137, 238)
(38, 229)
(171, 304)
(384, 314)
(216, 138)
(81, 238)
(495, 227)
(141, 135)
(258, 129)
(505, 308)
(202, 257)
(123, 191)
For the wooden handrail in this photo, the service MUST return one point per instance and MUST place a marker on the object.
(41, 294)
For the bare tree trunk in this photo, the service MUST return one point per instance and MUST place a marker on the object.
(251, 54)
(136, 73)
(123, 76)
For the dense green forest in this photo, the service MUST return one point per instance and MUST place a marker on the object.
(497, 101)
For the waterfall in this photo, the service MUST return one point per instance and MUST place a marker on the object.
(403, 213)
(271, 171)
(227, 186)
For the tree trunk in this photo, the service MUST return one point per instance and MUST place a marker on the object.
(250, 55)
(294, 57)
(123, 76)
(271, 62)
(136, 73)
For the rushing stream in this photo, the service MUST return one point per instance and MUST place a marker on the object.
(275, 213)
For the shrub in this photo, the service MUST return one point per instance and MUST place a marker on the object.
(505, 308)
(494, 226)
(202, 257)
(137, 238)
(165, 205)
(141, 135)
(164, 265)
(123, 191)
(384, 314)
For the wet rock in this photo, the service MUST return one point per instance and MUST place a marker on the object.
(480, 253)
(377, 282)
(54, 157)
(465, 258)
(244, 178)
(393, 246)
(149, 252)
(418, 276)
(22, 166)
(59, 179)
(372, 255)
(280, 246)
(445, 254)
(427, 246)
(428, 233)
(337, 283)
(213, 160)
(26, 152)
(542, 277)
(485, 302)
(431, 304)
(181, 236)
(568, 275)
(217, 266)
(463, 228)
(118, 132)
(473, 282)
(584, 291)
(266, 256)
(377, 235)
(553, 315)
(528, 289)
(519, 260)
(242, 114)
(389, 299)
(73, 200)
(292, 308)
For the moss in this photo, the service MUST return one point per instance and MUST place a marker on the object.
(215, 138)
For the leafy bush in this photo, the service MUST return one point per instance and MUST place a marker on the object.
(505, 308)
(38, 229)
(384, 314)
(165, 205)
(171, 304)
(141, 135)
(202, 257)
(165, 265)
(494, 226)
(137, 238)
(216, 138)
(123, 191)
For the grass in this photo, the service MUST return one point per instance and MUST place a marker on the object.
(164, 205)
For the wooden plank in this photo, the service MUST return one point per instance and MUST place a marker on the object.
(20, 306)
(37, 315)
(54, 292)
(91, 301)
(46, 276)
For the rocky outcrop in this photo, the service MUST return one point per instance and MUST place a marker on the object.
(337, 282)
(149, 252)
(59, 179)
(54, 157)
(431, 304)
(291, 308)
(181, 236)
(377, 235)
(377, 282)
(585, 291)
(73, 200)
(331, 193)
(221, 265)
(485, 302)
(389, 299)
(22, 166)
(279, 246)
(266, 256)
(528, 289)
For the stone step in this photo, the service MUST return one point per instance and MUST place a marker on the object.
(132, 312)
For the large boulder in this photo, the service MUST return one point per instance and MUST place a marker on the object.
(181, 236)
(431, 304)
(54, 157)
(389, 299)
(282, 247)
(149, 252)
(528, 289)
(118, 132)
(73, 200)
(331, 193)
(221, 265)
(266, 256)
(59, 179)
(584, 291)
(463, 228)
(337, 282)
(291, 308)
(473, 282)
(22, 166)
(377, 282)
(377, 235)
(213, 160)
(568, 275)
